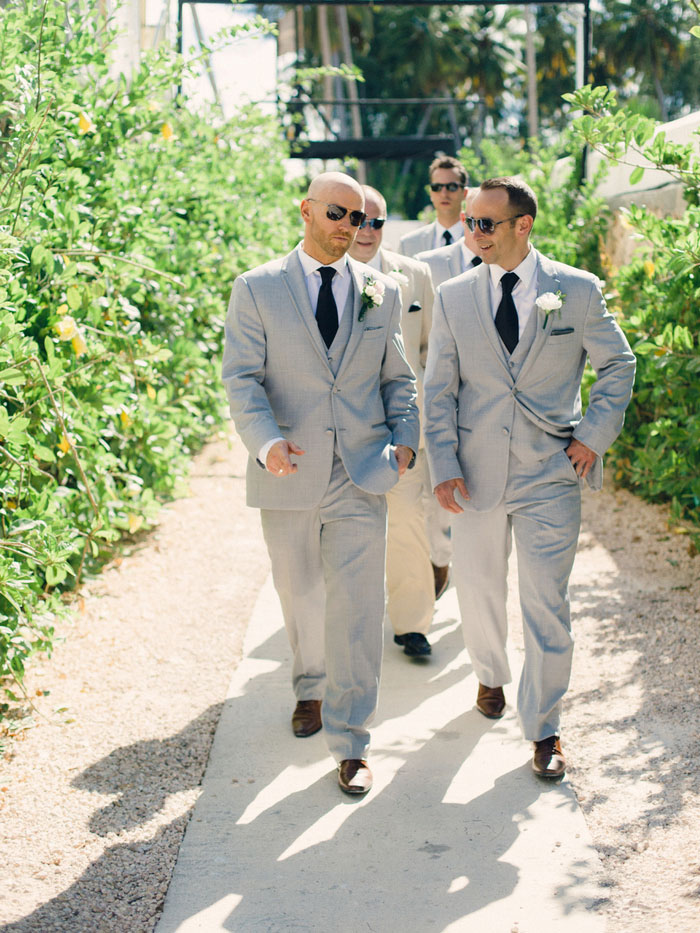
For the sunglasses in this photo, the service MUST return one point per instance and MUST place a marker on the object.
(485, 224)
(376, 223)
(450, 185)
(336, 212)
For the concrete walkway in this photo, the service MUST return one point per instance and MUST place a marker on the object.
(457, 834)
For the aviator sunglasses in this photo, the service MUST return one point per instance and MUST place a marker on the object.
(376, 223)
(450, 185)
(485, 224)
(336, 212)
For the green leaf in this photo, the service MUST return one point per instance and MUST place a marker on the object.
(637, 175)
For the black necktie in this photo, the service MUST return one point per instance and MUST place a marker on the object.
(477, 260)
(447, 237)
(506, 315)
(326, 309)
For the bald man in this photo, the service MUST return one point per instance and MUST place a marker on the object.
(323, 398)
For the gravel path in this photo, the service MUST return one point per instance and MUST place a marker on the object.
(94, 799)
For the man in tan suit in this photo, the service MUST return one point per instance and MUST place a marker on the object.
(409, 574)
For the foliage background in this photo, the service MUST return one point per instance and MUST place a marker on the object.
(123, 220)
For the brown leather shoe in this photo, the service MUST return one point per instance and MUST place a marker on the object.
(442, 578)
(354, 776)
(306, 718)
(548, 760)
(490, 701)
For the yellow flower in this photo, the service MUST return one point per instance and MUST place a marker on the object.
(66, 328)
(125, 419)
(62, 309)
(79, 345)
(64, 444)
(151, 392)
(649, 268)
(167, 131)
(85, 124)
(135, 522)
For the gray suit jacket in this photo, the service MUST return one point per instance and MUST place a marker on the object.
(279, 383)
(445, 262)
(417, 241)
(416, 312)
(473, 400)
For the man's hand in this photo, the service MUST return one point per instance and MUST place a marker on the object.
(582, 457)
(278, 461)
(445, 493)
(403, 455)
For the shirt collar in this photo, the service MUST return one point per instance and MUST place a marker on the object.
(311, 265)
(467, 254)
(376, 261)
(526, 271)
(457, 230)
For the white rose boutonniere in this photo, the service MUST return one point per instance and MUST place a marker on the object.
(372, 296)
(548, 303)
(398, 276)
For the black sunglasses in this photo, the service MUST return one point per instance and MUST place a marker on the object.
(485, 224)
(376, 223)
(336, 212)
(450, 185)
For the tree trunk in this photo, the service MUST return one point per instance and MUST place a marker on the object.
(341, 14)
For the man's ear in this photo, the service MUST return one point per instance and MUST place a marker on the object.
(525, 224)
(305, 209)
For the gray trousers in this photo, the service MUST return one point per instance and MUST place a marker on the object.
(541, 511)
(328, 570)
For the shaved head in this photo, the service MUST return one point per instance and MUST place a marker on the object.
(325, 238)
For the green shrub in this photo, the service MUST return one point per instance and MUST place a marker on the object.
(124, 219)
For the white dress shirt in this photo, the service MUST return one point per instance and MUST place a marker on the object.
(467, 256)
(457, 231)
(340, 283)
(525, 291)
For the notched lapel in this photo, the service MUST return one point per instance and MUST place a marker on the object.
(547, 281)
(482, 299)
(293, 277)
(358, 327)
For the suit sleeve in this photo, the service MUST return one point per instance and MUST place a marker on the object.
(441, 390)
(398, 384)
(614, 364)
(243, 370)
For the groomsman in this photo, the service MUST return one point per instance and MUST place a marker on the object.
(409, 575)
(447, 187)
(509, 446)
(323, 398)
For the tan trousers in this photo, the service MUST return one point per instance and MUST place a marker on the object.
(409, 575)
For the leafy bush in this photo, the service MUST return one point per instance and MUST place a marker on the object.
(123, 220)
(658, 455)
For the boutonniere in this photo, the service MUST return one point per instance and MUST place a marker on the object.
(372, 296)
(398, 276)
(550, 302)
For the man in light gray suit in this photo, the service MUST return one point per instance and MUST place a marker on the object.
(508, 446)
(324, 399)
(409, 574)
(447, 188)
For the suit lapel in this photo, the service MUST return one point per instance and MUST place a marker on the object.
(482, 299)
(358, 282)
(547, 281)
(293, 277)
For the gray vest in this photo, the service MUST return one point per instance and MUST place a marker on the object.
(336, 351)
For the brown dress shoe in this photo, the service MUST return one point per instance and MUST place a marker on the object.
(354, 776)
(490, 701)
(548, 760)
(442, 578)
(306, 718)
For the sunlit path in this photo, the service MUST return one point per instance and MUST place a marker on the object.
(457, 834)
